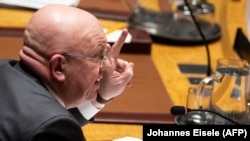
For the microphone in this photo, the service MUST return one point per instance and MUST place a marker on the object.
(178, 110)
(181, 110)
(209, 69)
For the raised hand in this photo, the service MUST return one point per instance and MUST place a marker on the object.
(117, 73)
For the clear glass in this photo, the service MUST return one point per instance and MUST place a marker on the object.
(196, 104)
(171, 19)
(228, 96)
(203, 12)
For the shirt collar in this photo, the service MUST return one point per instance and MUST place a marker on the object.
(55, 95)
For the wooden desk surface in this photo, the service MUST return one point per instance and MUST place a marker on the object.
(230, 14)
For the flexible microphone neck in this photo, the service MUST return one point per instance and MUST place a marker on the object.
(181, 110)
(202, 37)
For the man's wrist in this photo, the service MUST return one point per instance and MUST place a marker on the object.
(97, 105)
(89, 110)
(100, 100)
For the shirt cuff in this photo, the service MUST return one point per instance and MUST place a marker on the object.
(88, 110)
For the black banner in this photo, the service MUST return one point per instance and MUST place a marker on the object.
(162, 132)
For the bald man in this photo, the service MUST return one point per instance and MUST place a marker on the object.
(67, 72)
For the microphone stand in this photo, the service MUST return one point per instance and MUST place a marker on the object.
(203, 38)
(215, 113)
(196, 116)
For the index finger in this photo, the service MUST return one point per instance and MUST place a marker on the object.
(116, 47)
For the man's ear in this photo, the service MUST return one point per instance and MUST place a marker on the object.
(56, 67)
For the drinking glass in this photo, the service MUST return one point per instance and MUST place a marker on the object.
(196, 105)
(228, 96)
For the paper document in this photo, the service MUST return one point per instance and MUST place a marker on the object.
(37, 4)
(114, 36)
(127, 138)
(248, 18)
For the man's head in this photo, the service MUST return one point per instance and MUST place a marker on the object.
(65, 47)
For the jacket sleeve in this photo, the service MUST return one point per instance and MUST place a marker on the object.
(59, 129)
(79, 117)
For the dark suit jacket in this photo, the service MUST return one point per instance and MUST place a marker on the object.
(28, 112)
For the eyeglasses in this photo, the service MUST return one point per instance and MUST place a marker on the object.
(100, 59)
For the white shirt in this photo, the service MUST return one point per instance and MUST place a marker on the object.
(87, 109)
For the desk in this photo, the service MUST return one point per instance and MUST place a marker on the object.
(229, 14)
